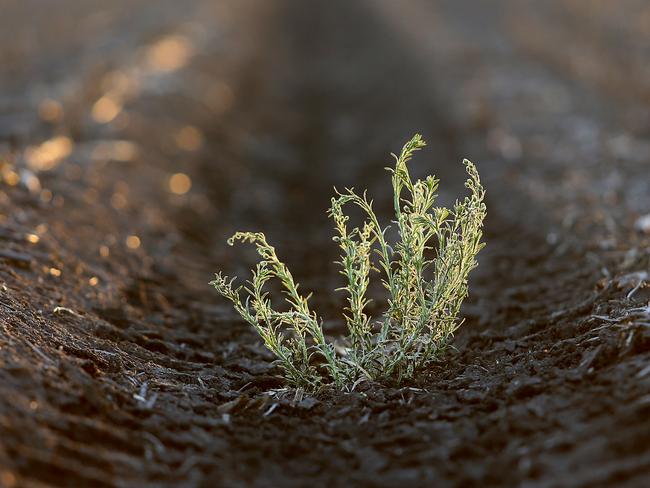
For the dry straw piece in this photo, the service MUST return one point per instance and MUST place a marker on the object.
(425, 274)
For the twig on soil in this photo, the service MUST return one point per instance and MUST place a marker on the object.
(299, 395)
(605, 318)
(631, 314)
(245, 386)
(141, 396)
(271, 409)
(645, 311)
(635, 289)
(59, 310)
(644, 372)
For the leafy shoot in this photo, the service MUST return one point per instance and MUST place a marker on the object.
(424, 273)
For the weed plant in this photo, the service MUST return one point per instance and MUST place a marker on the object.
(424, 273)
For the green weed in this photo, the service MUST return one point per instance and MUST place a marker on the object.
(424, 272)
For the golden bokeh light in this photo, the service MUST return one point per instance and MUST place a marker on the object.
(133, 242)
(179, 183)
(31, 182)
(9, 176)
(189, 138)
(93, 281)
(32, 238)
(106, 109)
(170, 53)
(104, 251)
(49, 154)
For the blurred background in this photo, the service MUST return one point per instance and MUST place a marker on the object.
(164, 122)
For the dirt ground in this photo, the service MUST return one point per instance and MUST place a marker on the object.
(135, 136)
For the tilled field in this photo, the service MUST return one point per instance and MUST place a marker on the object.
(136, 136)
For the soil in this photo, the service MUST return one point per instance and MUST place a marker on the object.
(119, 366)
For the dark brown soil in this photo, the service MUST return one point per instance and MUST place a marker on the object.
(119, 366)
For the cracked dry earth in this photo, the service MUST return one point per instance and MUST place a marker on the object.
(136, 136)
